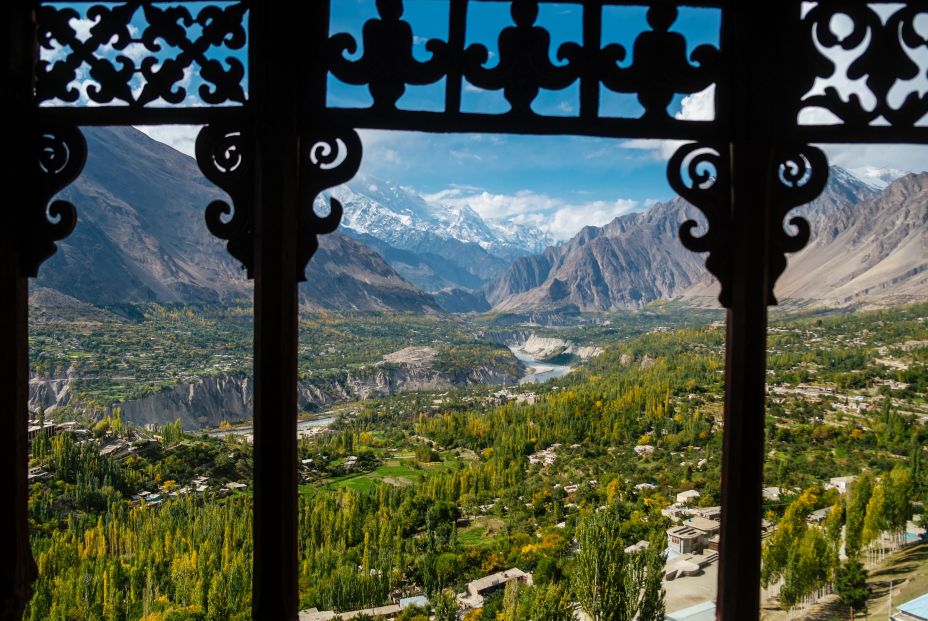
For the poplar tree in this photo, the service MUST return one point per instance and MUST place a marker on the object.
(856, 513)
(874, 518)
(610, 584)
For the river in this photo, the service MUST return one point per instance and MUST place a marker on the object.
(303, 428)
(538, 371)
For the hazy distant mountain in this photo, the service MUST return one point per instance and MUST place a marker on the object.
(141, 236)
(627, 263)
(638, 258)
(432, 245)
(462, 301)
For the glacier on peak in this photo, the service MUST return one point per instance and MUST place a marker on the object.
(400, 216)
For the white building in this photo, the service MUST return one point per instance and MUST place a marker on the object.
(689, 495)
(479, 589)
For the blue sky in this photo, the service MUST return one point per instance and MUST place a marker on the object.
(556, 183)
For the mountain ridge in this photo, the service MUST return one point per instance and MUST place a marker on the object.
(637, 258)
(141, 237)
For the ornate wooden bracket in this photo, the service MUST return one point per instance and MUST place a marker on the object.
(60, 157)
(800, 175)
(327, 158)
(225, 154)
(700, 174)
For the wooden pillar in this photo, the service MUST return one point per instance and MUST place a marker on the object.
(274, 51)
(749, 37)
(17, 567)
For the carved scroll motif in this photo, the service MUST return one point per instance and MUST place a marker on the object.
(885, 61)
(62, 153)
(225, 156)
(801, 175)
(699, 174)
(327, 159)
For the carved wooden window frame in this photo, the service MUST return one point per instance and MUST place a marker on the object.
(274, 144)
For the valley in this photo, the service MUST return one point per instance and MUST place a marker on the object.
(421, 492)
(488, 416)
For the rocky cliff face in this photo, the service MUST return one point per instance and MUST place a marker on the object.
(209, 401)
(46, 394)
(541, 348)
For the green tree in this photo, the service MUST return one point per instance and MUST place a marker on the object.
(444, 606)
(778, 549)
(834, 525)
(549, 602)
(875, 518)
(856, 513)
(899, 493)
(809, 568)
(610, 584)
(851, 586)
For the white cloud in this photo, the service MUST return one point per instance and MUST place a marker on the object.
(696, 107)
(458, 154)
(903, 157)
(568, 220)
(560, 218)
(181, 137)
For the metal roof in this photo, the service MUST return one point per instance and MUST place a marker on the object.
(917, 607)
(700, 612)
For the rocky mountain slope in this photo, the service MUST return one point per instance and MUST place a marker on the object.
(638, 258)
(871, 252)
(627, 263)
(141, 237)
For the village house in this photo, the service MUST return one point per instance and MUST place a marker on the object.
(313, 614)
(704, 611)
(674, 511)
(689, 495)
(842, 484)
(693, 536)
(685, 540)
(546, 457)
(709, 513)
(481, 588)
(638, 547)
(707, 527)
(818, 516)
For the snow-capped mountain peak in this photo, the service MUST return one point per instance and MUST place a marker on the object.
(878, 178)
(396, 215)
